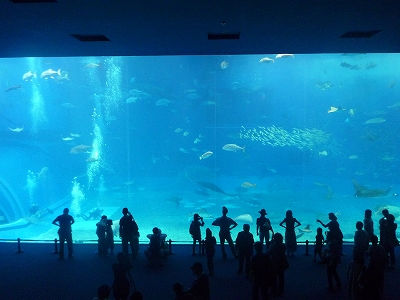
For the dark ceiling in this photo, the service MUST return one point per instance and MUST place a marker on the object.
(174, 27)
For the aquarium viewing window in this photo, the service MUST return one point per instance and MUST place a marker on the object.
(171, 136)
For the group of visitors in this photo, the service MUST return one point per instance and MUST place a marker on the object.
(265, 270)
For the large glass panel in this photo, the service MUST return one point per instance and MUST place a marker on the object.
(171, 136)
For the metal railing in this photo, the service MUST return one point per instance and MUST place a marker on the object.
(169, 244)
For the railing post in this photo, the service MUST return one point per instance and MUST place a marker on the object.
(19, 246)
(170, 246)
(307, 254)
(55, 247)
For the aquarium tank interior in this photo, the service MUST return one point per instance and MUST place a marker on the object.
(171, 136)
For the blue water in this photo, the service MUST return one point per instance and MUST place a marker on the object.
(147, 120)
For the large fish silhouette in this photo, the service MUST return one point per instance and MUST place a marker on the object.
(363, 192)
(212, 187)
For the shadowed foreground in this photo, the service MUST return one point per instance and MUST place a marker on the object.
(38, 274)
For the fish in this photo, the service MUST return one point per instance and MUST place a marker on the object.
(266, 60)
(75, 134)
(387, 158)
(320, 184)
(68, 138)
(332, 109)
(79, 149)
(371, 65)
(353, 157)
(364, 192)
(183, 150)
(163, 102)
(245, 218)
(205, 155)
(233, 147)
(17, 129)
(68, 105)
(203, 213)
(345, 65)
(394, 106)
(42, 174)
(212, 187)
(91, 159)
(351, 112)
(92, 65)
(323, 153)
(394, 210)
(248, 185)
(178, 130)
(28, 76)
(175, 200)
(335, 109)
(50, 73)
(375, 121)
(131, 100)
(62, 77)
(13, 88)
(185, 133)
(197, 140)
(284, 55)
(306, 229)
(224, 65)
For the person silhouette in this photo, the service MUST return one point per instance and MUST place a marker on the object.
(361, 241)
(195, 231)
(261, 272)
(290, 235)
(209, 245)
(244, 248)
(101, 234)
(129, 232)
(121, 284)
(200, 287)
(333, 259)
(319, 244)
(263, 227)
(65, 221)
(368, 222)
(280, 263)
(225, 224)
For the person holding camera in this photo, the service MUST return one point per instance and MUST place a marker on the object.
(195, 231)
(129, 232)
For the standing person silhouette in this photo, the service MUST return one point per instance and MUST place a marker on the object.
(209, 243)
(101, 234)
(129, 232)
(225, 224)
(263, 227)
(368, 222)
(65, 232)
(195, 231)
(290, 235)
(244, 248)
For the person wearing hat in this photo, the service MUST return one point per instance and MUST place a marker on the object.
(200, 287)
(225, 224)
(195, 231)
(263, 226)
(129, 232)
